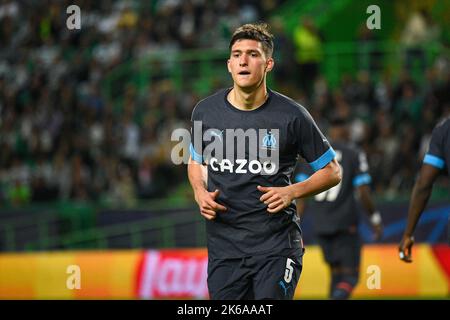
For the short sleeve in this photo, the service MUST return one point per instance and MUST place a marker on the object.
(311, 144)
(435, 154)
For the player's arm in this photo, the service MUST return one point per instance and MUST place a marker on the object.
(196, 176)
(277, 198)
(419, 198)
(321, 180)
(369, 206)
(205, 200)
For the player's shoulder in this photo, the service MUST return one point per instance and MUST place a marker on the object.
(210, 101)
(287, 104)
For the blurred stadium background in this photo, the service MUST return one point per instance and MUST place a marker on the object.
(86, 117)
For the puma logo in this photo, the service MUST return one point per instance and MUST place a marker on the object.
(217, 134)
(283, 286)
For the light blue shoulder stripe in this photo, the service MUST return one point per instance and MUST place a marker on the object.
(194, 155)
(434, 161)
(324, 159)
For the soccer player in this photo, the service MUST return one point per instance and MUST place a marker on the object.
(434, 163)
(335, 212)
(253, 234)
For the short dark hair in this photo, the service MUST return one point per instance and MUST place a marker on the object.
(259, 32)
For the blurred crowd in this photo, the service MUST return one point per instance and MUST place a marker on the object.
(62, 137)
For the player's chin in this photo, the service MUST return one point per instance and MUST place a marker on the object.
(245, 83)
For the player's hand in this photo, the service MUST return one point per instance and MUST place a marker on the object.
(405, 248)
(276, 198)
(207, 204)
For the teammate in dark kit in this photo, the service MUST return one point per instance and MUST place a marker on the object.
(253, 234)
(335, 213)
(436, 162)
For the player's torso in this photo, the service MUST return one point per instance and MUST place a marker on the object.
(244, 149)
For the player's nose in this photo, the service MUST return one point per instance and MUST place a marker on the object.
(243, 60)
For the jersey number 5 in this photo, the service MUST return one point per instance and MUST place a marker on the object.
(289, 270)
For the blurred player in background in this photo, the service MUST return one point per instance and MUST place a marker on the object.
(436, 161)
(254, 239)
(335, 212)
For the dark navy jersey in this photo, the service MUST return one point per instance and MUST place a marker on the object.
(438, 154)
(336, 209)
(284, 130)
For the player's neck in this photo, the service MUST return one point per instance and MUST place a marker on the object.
(247, 101)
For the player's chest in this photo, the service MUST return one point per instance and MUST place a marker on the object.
(251, 134)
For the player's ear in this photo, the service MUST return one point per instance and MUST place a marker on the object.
(228, 65)
(270, 63)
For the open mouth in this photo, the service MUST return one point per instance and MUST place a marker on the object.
(243, 73)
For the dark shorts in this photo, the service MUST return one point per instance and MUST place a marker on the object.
(256, 277)
(342, 249)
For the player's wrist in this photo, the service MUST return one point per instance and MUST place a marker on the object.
(198, 192)
(375, 219)
(291, 192)
(296, 190)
